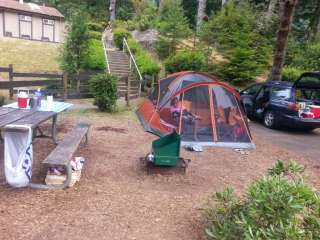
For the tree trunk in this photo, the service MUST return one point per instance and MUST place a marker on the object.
(271, 8)
(282, 38)
(223, 2)
(112, 10)
(78, 81)
(201, 12)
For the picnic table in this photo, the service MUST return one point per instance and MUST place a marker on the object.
(11, 114)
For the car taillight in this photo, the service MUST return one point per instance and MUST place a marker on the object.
(293, 106)
(309, 115)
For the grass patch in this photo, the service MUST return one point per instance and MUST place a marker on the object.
(29, 56)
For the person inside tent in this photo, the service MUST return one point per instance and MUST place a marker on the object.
(236, 122)
(177, 109)
(228, 119)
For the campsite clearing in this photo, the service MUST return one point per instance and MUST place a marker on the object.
(116, 199)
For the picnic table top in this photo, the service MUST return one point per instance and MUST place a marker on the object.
(23, 117)
(56, 106)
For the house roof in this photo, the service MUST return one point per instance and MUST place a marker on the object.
(30, 8)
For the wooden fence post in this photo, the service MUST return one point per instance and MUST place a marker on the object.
(128, 91)
(11, 81)
(65, 85)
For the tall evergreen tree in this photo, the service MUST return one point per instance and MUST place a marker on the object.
(75, 48)
(173, 24)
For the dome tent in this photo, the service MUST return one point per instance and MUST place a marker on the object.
(200, 108)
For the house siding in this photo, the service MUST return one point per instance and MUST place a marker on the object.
(12, 23)
(35, 29)
(59, 31)
(1, 24)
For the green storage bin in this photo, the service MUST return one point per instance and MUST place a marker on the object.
(166, 150)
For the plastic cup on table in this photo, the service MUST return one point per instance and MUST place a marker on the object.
(49, 102)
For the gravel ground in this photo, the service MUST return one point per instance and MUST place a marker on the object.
(117, 199)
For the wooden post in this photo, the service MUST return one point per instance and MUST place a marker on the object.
(65, 85)
(128, 91)
(11, 81)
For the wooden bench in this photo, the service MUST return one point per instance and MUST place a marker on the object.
(61, 156)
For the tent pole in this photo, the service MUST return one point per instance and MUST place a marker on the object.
(213, 120)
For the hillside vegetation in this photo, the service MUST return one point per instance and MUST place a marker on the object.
(29, 56)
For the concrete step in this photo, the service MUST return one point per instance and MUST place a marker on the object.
(119, 67)
(112, 70)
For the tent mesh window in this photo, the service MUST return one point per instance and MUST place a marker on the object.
(230, 124)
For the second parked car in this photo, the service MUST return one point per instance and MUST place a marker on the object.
(278, 103)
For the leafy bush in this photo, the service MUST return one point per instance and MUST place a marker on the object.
(144, 60)
(2, 100)
(146, 64)
(291, 73)
(162, 47)
(123, 14)
(96, 27)
(186, 60)
(307, 57)
(95, 59)
(104, 89)
(242, 67)
(278, 206)
(135, 47)
(95, 35)
(118, 36)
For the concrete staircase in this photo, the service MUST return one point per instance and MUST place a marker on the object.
(119, 65)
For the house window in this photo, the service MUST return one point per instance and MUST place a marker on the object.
(25, 18)
(24, 36)
(48, 21)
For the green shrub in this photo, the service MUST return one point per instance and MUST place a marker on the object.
(104, 89)
(132, 25)
(2, 100)
(291, 73)
(278, 206)
(162, 47)
(134, 46)
(242, 67)
(144, 23)
(307, 57)
(124, 14)
(118, 36)
(146, 64)
(186, 60)
(96, 58)
(144, 60)
(95, 35)
(96, 27)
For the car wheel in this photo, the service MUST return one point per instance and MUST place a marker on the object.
(270, 120)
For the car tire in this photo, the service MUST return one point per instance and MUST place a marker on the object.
(270, 120)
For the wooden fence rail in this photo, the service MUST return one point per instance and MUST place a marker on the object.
(60, 83)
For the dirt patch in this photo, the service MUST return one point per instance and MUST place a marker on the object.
(117, 199)
(112, 129)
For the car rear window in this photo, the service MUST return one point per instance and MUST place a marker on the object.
(280, 93)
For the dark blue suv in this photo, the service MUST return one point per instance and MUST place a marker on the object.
(293, 104)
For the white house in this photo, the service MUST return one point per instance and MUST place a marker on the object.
(30, 21)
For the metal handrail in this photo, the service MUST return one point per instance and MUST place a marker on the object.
(105, 52)
(125, 44)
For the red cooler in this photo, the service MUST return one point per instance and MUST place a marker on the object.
(315, 110)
